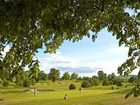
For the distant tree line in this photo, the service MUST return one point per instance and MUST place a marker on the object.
(26, 79)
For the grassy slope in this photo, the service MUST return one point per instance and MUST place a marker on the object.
(95, 96)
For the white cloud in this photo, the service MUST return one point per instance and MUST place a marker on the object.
(107, 60)
(64, 63)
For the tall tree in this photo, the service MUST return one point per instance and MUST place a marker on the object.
(54, 74)
(26, 25)
(66, 76)
(101, 75)
(42, 76)
(112, 77)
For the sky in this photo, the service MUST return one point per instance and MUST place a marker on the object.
(86, 57)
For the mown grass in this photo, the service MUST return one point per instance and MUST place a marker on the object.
(93, 96)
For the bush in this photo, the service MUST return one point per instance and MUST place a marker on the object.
(119, 83)
(72, 86)
(86, 84)
(105, 82)
(95, 82)
(33, 81)
(26, 83)
(19, 82)
(5, 83)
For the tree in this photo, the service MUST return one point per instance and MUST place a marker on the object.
(101, 75)
(28, 25)
(95, 82)
(5, 83)
(105, 82)
(132, 80)
(80, 78)
(54, 74)
(74, 76)
(95, 77)
(86, 84)
(26, 83)
(42, 76)
(112, 77)
(66, 76)
(119, 82)
(20, 77)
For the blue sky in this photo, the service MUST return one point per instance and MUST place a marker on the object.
(86, 57)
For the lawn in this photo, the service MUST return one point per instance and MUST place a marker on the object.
(53, 94)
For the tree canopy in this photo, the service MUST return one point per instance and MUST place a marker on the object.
(26, 25)
(54, 74)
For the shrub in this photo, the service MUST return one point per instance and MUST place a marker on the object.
(119, 83)
(105, 82)
(33, 81)
(72, 86)
(95, 82)
(26, 83)
(19, 82)
(86, 84)
(5, 83)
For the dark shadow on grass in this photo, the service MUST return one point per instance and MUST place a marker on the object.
(119, 92)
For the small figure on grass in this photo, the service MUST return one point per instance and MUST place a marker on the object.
(35, 92)
(112, 87)
(65, 97)
(80, 89)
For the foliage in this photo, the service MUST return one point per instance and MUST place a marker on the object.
(95, 82)
(74, 76)
(101, 75)
(112, 78)
(105, 82)
(26, 83)
(86, 84)
(66, 76)
(119, 82)
(80, 78)
(72, 86)
(132, 80)
(19, 82)
(5, 83)
(54, 74)
(28, 25)
(136, 90)
(42, 76)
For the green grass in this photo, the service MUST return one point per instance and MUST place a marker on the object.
(92, 96)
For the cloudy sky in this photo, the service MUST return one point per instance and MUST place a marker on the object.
(86, 57)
